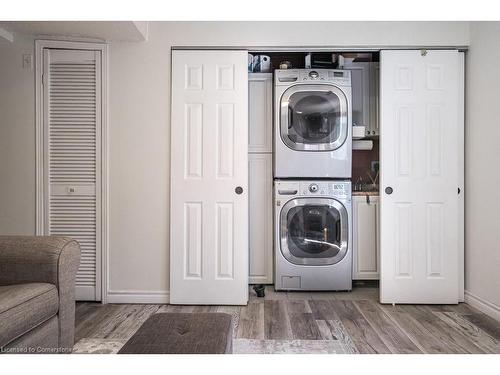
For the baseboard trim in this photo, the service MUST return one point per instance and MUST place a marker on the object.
(138, 296)
(482, 305)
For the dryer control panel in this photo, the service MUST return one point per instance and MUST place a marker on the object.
(310, 76)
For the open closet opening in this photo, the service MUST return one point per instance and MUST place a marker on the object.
(272, 166)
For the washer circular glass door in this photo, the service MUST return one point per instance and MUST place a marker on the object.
(313, 117)
(313, 231)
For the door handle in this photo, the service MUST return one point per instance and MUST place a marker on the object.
(287, 192)
(388, 190)
(238, 190)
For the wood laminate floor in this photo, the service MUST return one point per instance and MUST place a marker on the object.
(301, 322)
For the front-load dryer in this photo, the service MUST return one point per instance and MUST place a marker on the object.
(312, 123)
(313, 235)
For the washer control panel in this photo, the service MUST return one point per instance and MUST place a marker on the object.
(340, 190)
(336, 189)
(313, 188)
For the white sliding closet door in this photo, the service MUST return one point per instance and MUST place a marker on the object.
(421, 97)
(209, 178)
(72, 157)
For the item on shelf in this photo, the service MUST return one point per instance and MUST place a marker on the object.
(285, 65)
(374, 184)
(341, 62)
(261, 64)
(358, 186)
(357, 57)
(250, 63)
(321, 60)
(358, 132)
(364, 145)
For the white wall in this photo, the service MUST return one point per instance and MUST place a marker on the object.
(139, 129)
(310, 33)
(482, 175)
(139, 134)
(17, 139)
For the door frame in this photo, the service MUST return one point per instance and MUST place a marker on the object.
(40, 45)
(463, 49)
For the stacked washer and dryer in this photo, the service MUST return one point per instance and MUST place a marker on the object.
(312, 187)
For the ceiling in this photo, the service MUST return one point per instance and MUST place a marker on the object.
(122, 31)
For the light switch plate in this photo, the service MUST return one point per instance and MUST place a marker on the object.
(27, 61)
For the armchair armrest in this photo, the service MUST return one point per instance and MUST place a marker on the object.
(44, 259)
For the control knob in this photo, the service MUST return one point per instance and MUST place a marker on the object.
(313, 188)
(313, 74)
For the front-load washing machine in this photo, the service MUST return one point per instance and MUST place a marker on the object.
(313, 235)
(312, 123)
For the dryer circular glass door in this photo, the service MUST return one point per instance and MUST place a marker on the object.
(313, 118)
(313, 231)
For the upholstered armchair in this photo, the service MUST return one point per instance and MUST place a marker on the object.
(37, 293)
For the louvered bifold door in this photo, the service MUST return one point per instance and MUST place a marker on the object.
(72, 132)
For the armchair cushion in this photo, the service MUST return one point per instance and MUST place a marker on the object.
(24, 307)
